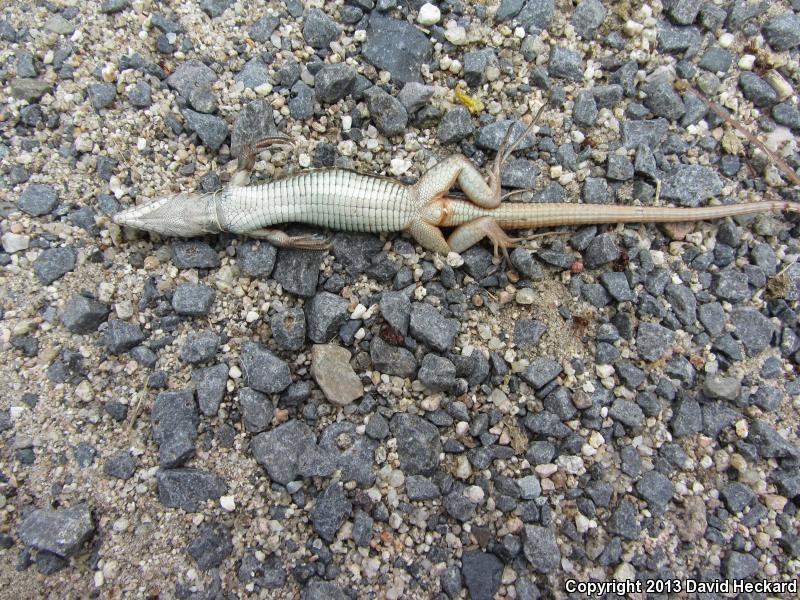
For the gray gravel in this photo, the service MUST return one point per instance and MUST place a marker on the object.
(617, 402)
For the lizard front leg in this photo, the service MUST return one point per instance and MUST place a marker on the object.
(247, 159)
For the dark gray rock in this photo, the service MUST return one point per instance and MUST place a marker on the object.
(330, 511)
(325, 314)
(54, 263)
(482, 574)
(541, 549)
(565, 64)
(716, 60)
(519, 173)
(214, 8)
(334, 82)
(301, 101)
(428, 326)
(261, 31)
(455, 125)
(83, 315)
(619, 167)
(687, 418)
(140, 95)
(787, 115)
(212, 130)
(319, 30)
(392, 360)
(194, 254)
(420, 488)
(212, 546)
(38, 199)
(193, 299)
(362, 529)
(122, 466)
(536, 15)
(209, 385)
(418, 444)
(757, 90)
(653, 340)
(396, 310)
(289, 328)
(253, 74)
(188, 488)
(626, 412)
(113, 6)
(678, 39)
(102, 95)
(663, 101)
(753, 329)
(415, 96)
(587, 17)
(175, 420)
(475, 65)
(121, 336)
(60, 531)
(601, 250)
(596, 191)
(396, 46)
(436, 373)
(386, 111)
(783, 31)
(263, 371)
(256, 410)
(193, 81)
(740, 566)
(279, 451)
(648, 133)
(298, 271)
(737, 496)
(316, 589)
(489, 137)
(690, 185)
(199, 347)
(683, 12)
(351, 452)
(731, 285)
(528, 332)
(770, 443)
(458, 506)
(541, 371)
(623, 521)
(656, 490)
(256, 258)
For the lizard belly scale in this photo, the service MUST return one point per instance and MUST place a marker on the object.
(332, 198)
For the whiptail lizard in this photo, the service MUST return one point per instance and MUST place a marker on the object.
(345, 200)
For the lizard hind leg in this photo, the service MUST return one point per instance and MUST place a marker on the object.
(428, 236)
(470, 233)
(281, 239)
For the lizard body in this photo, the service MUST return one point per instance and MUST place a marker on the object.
(348, 201)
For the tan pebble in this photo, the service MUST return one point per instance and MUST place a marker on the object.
(512, 276)
(775, 502)
(505, 297)
(477, 300)
(151, 263)
(17, 228)
(762, 540)
(742, 428)
(281, 416)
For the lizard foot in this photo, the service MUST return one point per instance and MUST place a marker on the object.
(507, 147)
(470, 233)
(247, 158)
(281, 239)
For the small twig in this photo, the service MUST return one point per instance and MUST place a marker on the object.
(722, 114)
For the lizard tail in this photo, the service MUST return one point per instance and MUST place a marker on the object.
(514, 215)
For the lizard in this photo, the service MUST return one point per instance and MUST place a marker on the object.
(345, 200)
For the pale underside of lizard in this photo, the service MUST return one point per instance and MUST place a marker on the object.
(348, 201)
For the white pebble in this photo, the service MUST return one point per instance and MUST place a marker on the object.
(429, 14)
(725, 40)
(304, 160)
(746, 62)
(475, 494)
(13, 242)
(455, 34)
(234, 372)
(347, 122)
(398, 166)
(227, 503)
(251, 316)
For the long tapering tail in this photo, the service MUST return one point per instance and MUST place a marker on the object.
(517, 215)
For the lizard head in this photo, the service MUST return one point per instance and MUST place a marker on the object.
(181, 215)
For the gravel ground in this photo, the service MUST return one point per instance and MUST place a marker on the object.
(217, 419)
